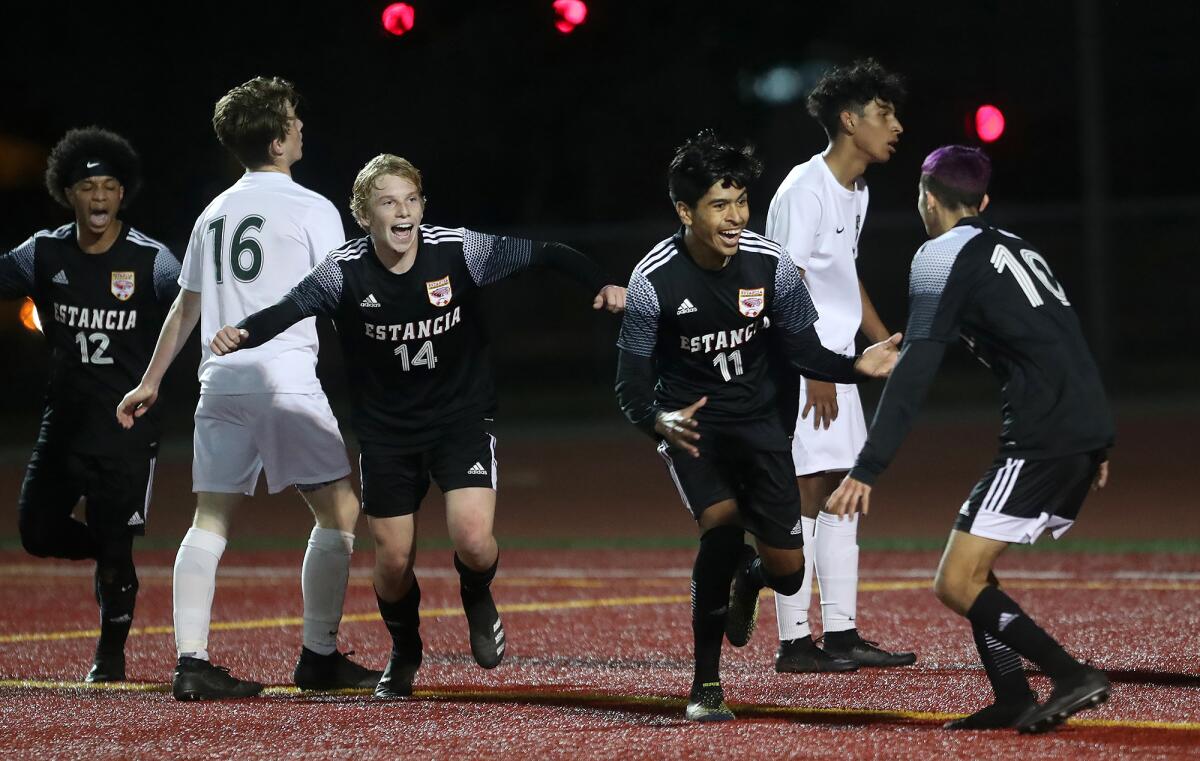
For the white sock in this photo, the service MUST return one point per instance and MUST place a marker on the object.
(323, 582)
(792, 610)
(194, 583)
(837, 571)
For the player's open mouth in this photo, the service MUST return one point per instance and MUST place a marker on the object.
(402, 229)
(730, 236)
(99, 217)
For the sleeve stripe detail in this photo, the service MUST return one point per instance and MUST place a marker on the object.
(658, 256)
(352, 249)
(765, 250)
(61, 232)
(145, 240)
(754, 239)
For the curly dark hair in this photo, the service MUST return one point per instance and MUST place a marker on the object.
(251, 115)
(87, 144)
(706, 159)
(851, 88)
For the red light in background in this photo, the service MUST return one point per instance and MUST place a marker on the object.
(29, 316)
(398, 18)
(569, 14)
(989, 123)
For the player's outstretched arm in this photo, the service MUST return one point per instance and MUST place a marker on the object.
(180, 322)
(491, 258)
(879, 359)
(228, 340)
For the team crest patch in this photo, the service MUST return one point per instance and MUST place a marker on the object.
(751, 301)
(122, 285)
(439, 291)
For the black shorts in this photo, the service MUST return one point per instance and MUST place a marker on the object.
(116, 489)
(395, 483)
(1016, 500)
(763, 483)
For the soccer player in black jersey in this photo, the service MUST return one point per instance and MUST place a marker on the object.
(404, 299)
(102, 289)
(997, 291)
(696, 371)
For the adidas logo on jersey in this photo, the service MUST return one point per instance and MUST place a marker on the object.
(370, 301)
(798, 529)
(136, 520)
(60, 278)
(685, 308)
(477, 470)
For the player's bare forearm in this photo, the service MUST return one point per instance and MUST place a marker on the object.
(180, 322)
(872, 325)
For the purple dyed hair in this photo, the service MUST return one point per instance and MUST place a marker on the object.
(959, 167)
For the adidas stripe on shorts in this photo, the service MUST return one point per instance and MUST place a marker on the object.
(394, 482)
(1016, 500)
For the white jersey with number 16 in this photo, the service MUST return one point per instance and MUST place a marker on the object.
(251, 245)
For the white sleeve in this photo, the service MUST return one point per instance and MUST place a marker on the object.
(324, 231)
(793, 221)
(191, 275)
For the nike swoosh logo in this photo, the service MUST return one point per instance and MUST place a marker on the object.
(840, 230)
(94, 164)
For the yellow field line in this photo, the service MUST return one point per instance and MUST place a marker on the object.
(745, 710)
(281, 622)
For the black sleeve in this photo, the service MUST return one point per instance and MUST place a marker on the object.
(902, 398)
(491, 258)
(803, 350)
(317, 294)
(16, 271)
(635, 390)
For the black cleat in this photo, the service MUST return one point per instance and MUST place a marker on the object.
(397, 679)
(107, 667)
(802, 656)
(998, 715)
(196, 679)
(332, 672)
(707, 703)
(743, 601)
(865, 653)
(1087, 689)
(485, 627)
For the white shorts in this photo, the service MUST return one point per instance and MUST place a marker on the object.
(294, 437)
(833, 448)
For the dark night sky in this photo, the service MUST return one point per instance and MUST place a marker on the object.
(520, 128)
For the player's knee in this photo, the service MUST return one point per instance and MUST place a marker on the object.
(948, 590)
(475, 547)
(36, 537)
(393, 562)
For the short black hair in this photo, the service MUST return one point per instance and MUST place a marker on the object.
(706, 159)
(851, 88)
(87, 144)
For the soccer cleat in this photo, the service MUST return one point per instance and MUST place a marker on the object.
(707, 703)
(107, 667)
(743, 601)
(864, 652)
(484, 625)
(397, 679)
(802, 656)
(332, 672)
(197, 679)
(1086, 689)
(998, 715)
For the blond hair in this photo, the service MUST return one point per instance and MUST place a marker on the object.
(381, 165)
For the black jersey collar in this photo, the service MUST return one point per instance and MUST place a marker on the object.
(682, 248)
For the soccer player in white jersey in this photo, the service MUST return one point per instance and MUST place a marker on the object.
(817, 215)
(262, 409)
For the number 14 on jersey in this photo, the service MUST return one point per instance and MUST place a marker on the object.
(423, 358)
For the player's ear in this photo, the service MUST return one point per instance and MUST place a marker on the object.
(684, 212)
(984, 203)
(849, 121)
(276, 149)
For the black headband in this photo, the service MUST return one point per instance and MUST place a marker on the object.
(92, 167)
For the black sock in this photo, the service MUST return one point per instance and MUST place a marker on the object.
(403, 621)
(995, 613)
(116, 593)
(472, 580)
(841, 640)
(712, 575)
(1003, 666)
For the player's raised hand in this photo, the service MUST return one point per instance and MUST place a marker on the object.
(879, 359)
(228, 340)
(135, 404)
(851, 496)
(822, 402)
(610, 297)
(679, 427)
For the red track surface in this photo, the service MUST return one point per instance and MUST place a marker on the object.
(598, 665)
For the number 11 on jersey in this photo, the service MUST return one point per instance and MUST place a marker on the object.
(723, 362)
